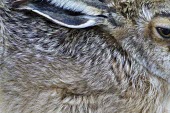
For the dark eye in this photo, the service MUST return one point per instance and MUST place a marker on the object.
(164, 32)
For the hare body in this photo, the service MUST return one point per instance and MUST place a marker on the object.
(47, 68)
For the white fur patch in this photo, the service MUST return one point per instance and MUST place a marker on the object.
(76, 5)
(167, 107)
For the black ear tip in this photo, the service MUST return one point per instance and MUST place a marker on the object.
(61, 16)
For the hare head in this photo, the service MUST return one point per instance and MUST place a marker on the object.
(141, 27)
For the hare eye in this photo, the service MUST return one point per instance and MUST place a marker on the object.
(164, 32)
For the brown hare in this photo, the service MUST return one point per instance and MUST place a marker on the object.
(84, 56)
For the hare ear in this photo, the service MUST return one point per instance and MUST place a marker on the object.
(68, 13)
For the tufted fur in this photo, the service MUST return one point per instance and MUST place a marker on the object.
(46, 68)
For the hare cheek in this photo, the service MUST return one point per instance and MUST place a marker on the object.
(167, 107)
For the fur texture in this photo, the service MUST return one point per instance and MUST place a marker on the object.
(46, 68)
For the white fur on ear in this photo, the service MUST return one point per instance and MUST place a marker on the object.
(77, 6)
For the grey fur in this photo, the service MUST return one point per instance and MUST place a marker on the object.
(47, 68)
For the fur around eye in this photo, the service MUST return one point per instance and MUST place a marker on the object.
(163, 32)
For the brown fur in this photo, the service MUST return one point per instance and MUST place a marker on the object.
(46, 68)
